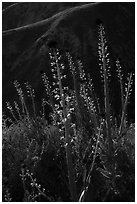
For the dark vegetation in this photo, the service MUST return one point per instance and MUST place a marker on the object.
(76, 147)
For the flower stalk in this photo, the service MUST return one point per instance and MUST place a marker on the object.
(128, 89)
(71, 173)
(103, 54)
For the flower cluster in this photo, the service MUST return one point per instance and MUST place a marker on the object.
(62, 97)
(36, 188)
(46, 84)
(30, 90)
(103, 53)
(86, 89)
(119, 70)
(21, 97)
(19, 89)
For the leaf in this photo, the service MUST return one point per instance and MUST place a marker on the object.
(105, 173)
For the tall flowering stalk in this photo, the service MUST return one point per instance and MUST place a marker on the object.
(21, 97)
(103, 57)
(49, 102)
(58, 67)
(120, 77)
(30, 92)
(124, 95)
(128, 92)
(10, 108)
(85, 89)
(73, 70)
(37, 190)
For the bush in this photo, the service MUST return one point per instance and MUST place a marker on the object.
(81, 154)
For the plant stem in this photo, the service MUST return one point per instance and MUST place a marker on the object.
(83, 194)
(71, 173)
(106, 95)
(122, 101)
(92, 112)
(125, 105)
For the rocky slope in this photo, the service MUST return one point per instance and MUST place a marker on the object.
(27, 27)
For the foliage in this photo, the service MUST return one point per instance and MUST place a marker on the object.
(79, 155)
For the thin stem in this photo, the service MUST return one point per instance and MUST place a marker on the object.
(33, 104)
(119, 72)
(106, 94)
(71, 173)
(92, 112)
(125, 105)
(122, 101)
(83, 194)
